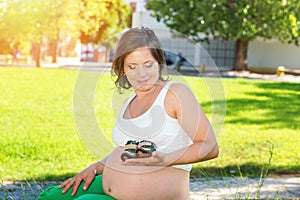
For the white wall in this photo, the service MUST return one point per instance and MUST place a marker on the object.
(271, 54)
(145, 19)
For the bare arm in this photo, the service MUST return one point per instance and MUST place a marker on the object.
(192, 118)
(87, 175)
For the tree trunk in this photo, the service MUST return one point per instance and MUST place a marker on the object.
(241, 55)
(54, 50)
(38, 55)
(107, 53)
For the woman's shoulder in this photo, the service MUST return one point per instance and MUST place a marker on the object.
(179, 92)
(179, 88)
(178, 97)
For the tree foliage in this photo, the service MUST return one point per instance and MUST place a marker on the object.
(100, 20)
(238, 20)
(12, 27)
(31, 23)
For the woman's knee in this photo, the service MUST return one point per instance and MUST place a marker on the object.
(95, 197)
(53, 192)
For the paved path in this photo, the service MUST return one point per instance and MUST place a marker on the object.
(245, 188)
(201, 188)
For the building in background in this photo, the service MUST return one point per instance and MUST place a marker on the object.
(217, 53)
(263, 55)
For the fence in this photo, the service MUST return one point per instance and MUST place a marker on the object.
(216, 53)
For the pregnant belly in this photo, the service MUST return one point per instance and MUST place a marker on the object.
(136, 182)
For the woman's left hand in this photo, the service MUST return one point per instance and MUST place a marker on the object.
(156, 159)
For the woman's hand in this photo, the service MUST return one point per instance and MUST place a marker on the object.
(156, 159)
(86, 175)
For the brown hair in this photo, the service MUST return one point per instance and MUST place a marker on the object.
(131, 40)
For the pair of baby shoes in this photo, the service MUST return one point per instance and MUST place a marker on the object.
(138, 149)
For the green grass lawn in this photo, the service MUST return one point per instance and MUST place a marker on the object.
(43, 136)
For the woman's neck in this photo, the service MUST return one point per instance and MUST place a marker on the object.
(141, 95)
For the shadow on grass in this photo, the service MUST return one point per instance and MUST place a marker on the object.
(276, 104)
(247, 170)
(52, 177)
(281, 102)
(251, 170)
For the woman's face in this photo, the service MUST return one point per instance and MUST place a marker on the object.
(141, 69)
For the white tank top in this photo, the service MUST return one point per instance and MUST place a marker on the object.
(154, 125)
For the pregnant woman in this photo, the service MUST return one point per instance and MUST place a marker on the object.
(160, 112)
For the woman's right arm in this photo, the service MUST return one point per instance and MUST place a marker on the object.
(87, 175)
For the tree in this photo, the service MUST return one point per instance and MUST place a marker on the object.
(37, 22)
(31, 21)
(13, 30)
(101, 20)
(48, 19)
(61, 16)
(238, 20)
